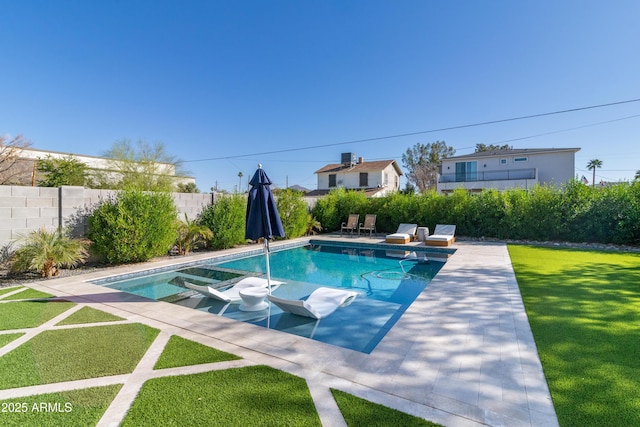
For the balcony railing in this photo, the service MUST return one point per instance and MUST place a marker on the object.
(499, 175)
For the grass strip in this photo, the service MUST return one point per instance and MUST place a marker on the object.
(29, 314)
(7, 338)
(78, 353)
(29, 294)
(584, 311)
(9, 289)
(359, 412)
(255, 395)
(82, 407)
(183, 352)
(89, 315)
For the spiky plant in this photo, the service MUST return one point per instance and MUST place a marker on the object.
(46, 252)
(190, 234)
(313, 225)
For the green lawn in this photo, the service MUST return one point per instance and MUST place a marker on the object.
(255, 395)
(29, 294)
(29, 314)
(73, 354)
(584, 310)
(358, 412)
(183, 352)
(9, 289)
(7, 338)
(88, 315)
(70, 408)
(264, 395)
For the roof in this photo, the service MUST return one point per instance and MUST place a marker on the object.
(360, 167)
(367, 191)
(513, 152)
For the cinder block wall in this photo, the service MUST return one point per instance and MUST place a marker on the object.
(26, 209)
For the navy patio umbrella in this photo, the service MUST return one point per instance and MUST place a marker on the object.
(263, 219)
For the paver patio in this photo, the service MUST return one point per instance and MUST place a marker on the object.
(461, 355)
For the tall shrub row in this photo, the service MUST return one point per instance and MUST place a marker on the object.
(575, 212)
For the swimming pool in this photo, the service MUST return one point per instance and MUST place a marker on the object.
(386, 280)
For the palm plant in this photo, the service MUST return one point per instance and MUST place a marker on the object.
(313, 225)
(190, 234)
(592, 165)
(46, 252)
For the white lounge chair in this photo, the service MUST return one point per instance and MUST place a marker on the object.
(405, 234)
(232, 294)
(321, 303)
(443, 235)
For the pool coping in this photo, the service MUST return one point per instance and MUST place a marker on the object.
(462, 354)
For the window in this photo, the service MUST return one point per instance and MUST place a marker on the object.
(503, 161)
(466, 171)
(520, 159)
(364, 179)
(332, 180)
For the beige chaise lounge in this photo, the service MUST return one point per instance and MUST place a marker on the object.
(405, 234)
(351, 224)
(443, 235)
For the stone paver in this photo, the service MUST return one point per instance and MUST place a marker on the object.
(462, 355)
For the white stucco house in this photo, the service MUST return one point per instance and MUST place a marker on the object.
(504, 169)
(30, 155)
(377, 179)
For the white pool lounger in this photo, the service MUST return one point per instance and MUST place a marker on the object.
(321, 303)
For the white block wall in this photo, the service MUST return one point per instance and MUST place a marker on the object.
(25, 209)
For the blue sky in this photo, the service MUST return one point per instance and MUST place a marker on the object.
(227, 80)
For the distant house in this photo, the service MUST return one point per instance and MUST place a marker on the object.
(375, 179)
(504, 169)
(29, 156)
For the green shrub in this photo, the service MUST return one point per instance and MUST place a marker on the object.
(46, 252)
(134, 226)
(226, 219)
(293, 213)
(574, 212)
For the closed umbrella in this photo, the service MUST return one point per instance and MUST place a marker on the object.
(263, 219)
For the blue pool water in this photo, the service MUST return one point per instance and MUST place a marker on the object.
(386, 281)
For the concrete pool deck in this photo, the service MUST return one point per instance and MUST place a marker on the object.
(462, 355)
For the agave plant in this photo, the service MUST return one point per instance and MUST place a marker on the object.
(190, 234)
(46, 252)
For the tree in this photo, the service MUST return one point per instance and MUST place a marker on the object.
(422, 162)
(189, 187)
(64, 171)
(637, 177)
(592, 165)
(14, 170)
(144, 166)
(491, 147)
(240, 184)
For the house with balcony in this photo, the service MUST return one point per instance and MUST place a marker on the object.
(376, 179)
(505, 169)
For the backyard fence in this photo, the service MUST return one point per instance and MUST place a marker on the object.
(25, 209)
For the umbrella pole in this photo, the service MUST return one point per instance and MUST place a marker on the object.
(266, 254)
